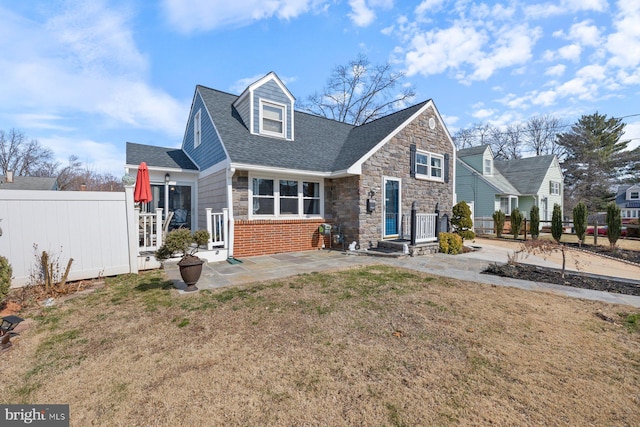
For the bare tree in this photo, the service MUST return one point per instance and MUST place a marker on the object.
(359, 92)
(464, 138)
(23, 157)
(75, 177)
(541, 133)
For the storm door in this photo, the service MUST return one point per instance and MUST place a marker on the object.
(391, 214)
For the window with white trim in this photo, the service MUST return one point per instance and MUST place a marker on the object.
(508, 203)
(429, 166)
(197, 130)
(633, 195)
(272, 119)
(488, 167)
(285, 197)
(554, 187)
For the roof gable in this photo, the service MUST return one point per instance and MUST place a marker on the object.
(527, 174)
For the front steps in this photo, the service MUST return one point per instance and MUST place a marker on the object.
(399, 249)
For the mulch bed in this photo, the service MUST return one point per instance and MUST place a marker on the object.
(576, 280)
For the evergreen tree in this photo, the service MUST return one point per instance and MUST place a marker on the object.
(556, 222)
(593, 155)
(516, 222)
(461, 220)
(614, 224)
(534, 214)
(580, 215)
(498, 220)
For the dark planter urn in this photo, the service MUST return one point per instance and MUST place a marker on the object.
(190, 271)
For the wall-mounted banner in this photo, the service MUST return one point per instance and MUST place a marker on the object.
(34, 415)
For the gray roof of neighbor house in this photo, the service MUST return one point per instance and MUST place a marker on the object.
(162, 157)
(496, 180)
(29, 183)
(471, 151)
(621, 197)
(319, 145)
(527, 175)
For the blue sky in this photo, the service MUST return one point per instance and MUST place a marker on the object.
(85, 77)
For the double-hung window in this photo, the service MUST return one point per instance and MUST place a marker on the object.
(488, 167)
(285, 197)
(634, 195)
(429, 166)
(554, 187)
(272, 120)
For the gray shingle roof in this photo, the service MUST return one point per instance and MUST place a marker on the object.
(525, 174)
(158, 157)
(29, 183)
(471, 151)
(319, 145)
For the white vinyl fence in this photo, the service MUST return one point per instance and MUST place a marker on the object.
(93, 228)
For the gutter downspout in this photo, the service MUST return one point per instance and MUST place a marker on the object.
(230, 172)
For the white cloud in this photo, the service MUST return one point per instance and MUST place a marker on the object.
(483, 113)
(81, 61)
(205, 15)
(101, 157)
(570, 52)
(435, 51)
(632, 132)
(624, 44)
(564, 7)
(556, 70)
(361, 14)
(585, 33)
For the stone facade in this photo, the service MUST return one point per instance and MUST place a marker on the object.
(346, 198)
(393, 160)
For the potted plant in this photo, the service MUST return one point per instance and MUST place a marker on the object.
(182, 241)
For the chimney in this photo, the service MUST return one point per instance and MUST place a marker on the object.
(9, 177)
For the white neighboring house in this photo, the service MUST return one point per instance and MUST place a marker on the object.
(628, 200)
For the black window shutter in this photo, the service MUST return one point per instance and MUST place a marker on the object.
(412, 161)
(446, 167)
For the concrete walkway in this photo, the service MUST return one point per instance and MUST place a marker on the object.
(464, 267)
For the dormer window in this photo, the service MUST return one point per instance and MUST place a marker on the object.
(272, 119)
(634, 195)
(488, 167)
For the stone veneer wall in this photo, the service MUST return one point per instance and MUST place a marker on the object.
(342, 205)
(393, 160)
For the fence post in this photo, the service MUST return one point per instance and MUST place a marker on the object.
(209, 228)
(414, 212)
(225, 227)
(159, 228)
(595, 234)
(133, 219)
(525, 229)
(437, 212)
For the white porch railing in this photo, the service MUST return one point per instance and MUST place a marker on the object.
(218, 228)
(149, 230)
(425, 227)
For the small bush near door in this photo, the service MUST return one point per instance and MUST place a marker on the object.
(450, 243)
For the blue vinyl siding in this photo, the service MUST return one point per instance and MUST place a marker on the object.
(471, 188)
(210, 151)
(270, 91)
(244, 111)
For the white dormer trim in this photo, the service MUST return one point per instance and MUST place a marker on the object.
(249, 93)
(283, 107)
(635, 189)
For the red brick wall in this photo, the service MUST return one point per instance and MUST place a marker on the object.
(263, 237)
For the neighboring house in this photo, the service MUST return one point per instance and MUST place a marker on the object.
(282, 173)
(506, 184)
(628, 200)
(12, 182)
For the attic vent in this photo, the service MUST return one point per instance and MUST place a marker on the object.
(432, 123)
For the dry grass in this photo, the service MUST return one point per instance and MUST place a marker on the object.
(369, 346)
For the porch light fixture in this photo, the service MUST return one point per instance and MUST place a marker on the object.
(167, 177)
(6, 327)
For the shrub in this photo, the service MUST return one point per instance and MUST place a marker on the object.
(614, 223)
(516, 222)
(461, 220)
(633, 232)
(580, 216)
(5, 277)
(450, 243)
(180, 241)
(556, 223)
(534, 213)
(498, 220)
